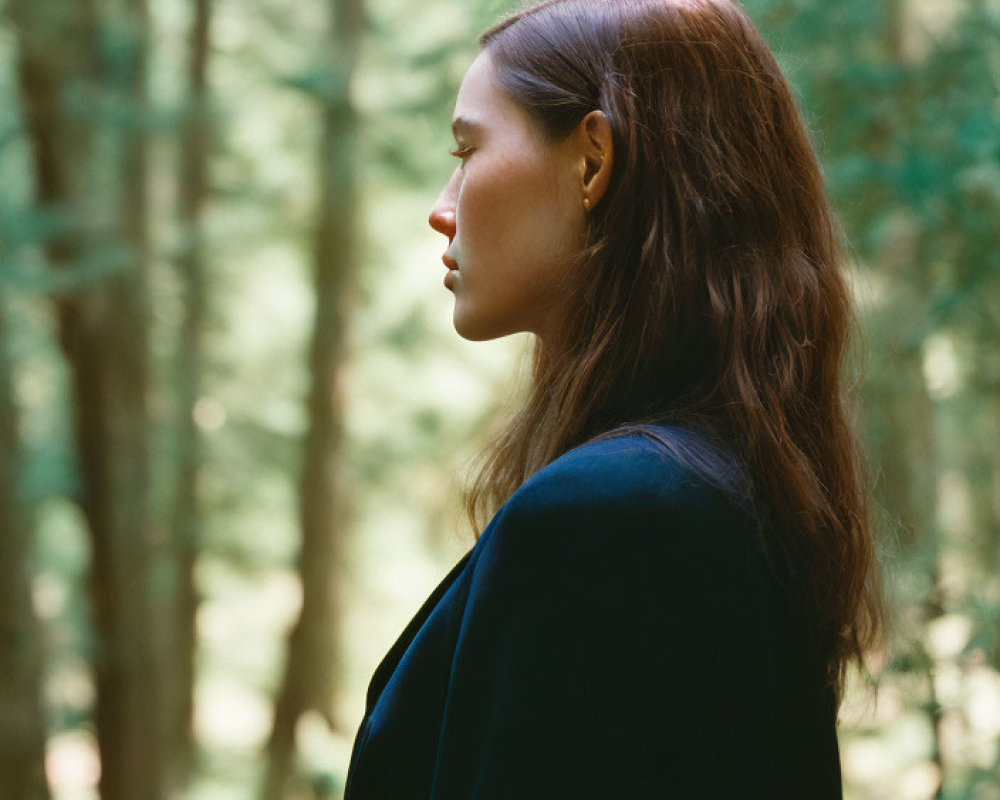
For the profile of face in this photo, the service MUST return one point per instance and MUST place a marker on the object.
(512, 212)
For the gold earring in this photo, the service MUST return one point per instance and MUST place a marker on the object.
(586, 204)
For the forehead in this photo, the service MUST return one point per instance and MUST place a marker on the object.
(481, 102)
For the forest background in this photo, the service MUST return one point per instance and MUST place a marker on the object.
(234, 415)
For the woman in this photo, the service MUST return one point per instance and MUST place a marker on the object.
(680, 567)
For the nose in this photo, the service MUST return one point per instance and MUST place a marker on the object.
(442, 218)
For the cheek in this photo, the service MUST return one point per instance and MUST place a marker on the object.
(515, 210)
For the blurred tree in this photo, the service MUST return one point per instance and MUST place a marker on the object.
(908, 449)
(188, 510)
(83, 85)
(22, 718)
(313, 662)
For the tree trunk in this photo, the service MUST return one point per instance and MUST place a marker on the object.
(313, 657)
(103, 335)
(981, 463)
(913, 415)
(22, 720)
(903, 434)
(187, 508)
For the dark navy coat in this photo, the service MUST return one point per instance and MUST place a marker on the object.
(612, 634)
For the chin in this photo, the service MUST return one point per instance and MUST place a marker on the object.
(476, 331)
(474, 335)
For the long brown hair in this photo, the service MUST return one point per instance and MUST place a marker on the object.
(713, 294)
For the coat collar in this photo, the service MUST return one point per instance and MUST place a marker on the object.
(388, 664)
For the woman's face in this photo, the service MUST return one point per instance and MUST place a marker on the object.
(512, 213)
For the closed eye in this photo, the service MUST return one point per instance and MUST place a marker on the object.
(462, 153)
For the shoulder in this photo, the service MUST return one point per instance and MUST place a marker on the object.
(625, 470)
(627, 514)
(626, 496)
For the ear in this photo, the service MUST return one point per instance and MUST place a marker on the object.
(596, 153)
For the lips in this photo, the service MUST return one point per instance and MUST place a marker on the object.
(450, 263)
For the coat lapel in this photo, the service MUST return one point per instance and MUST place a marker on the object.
(388, 664)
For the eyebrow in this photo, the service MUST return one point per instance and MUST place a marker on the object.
(460, 124)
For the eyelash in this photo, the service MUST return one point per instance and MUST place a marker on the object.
(462, 153)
